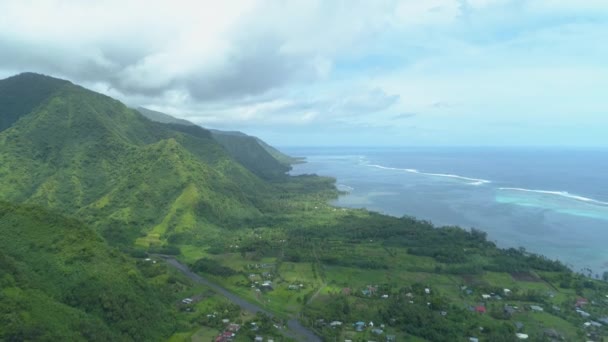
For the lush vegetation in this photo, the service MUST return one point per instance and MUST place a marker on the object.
(60, 281)
(250, 152)
(92, 191)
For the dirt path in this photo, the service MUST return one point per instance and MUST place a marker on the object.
(295, 329)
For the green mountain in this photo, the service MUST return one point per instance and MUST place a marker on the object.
(60, 281)
(234, 140)
(249, 152)
(20, 94)
(280, 156)
(162, 117)
(252, 152)
(89, 156)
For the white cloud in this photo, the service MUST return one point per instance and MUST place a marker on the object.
(301, 63)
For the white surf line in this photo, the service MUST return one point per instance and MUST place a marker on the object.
(474, 181)
(559, 193)
(345, 187)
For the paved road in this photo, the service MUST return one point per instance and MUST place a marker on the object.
(296, 330)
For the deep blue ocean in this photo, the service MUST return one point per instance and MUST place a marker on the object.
(550, 201)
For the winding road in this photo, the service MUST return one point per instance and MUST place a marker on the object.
(295, 329)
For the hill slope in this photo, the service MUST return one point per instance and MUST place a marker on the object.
(60, 281)
(20, 94)
(249, 152)
(88, 155)
(252, 152)
(162, 117)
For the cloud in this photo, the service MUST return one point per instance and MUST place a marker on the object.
(213, 51)
(304, 64)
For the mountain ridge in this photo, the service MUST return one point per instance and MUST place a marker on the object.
(86, 154)
(251, 151)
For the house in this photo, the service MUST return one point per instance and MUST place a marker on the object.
(377, 331)
(427, 291)
(519, 326)
(391, 338)
(224, 337)
(384, 296)
(234, 327)
(259, 339)
(553, 334)
(359, 326)
(509, 310)
(187, 300)
(580, 302)
(521, 336)
(604, 320)
(335, 324)
(583, 313)
(486, 296)
(506, 292)
(481, 309)
(473, 339)
(293, 287)
(372, 289)
(536, 308)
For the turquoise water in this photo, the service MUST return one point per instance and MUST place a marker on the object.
(551, 202)
(568, 206)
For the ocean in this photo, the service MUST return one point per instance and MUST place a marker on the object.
(550, 201)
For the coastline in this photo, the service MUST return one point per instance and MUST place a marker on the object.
(540, 226)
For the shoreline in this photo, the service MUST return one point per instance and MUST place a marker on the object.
(577, 264)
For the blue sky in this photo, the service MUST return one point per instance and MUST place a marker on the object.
(433, 72)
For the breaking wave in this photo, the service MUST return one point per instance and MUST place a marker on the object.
(469, 180)
(559, 193)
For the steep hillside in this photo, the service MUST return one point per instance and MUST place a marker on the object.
(249, 152)
(253, 153)
(280, 156)
(60, 281)
(162, 117)
(20, 94)
(88, 155)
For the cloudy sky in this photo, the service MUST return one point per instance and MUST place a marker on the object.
(374, 72)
